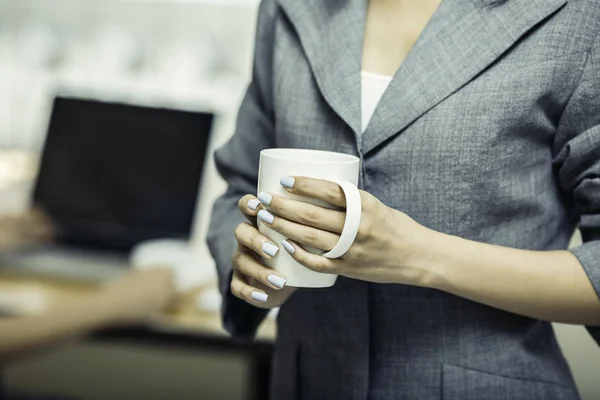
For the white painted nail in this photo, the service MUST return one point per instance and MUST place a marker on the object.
(265, 198)
(266, 217)
(288, 246)
(270, 249)
(276, 280)
(260, 297)
(287, 182)
(253, 204)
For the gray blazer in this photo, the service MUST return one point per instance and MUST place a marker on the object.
(489, 131)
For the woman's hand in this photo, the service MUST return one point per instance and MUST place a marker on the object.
(252, 281)
(389, 247)
(138, 296)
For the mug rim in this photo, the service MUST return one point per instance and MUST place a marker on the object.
(288, 153)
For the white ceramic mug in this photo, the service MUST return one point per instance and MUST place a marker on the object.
(342, 169)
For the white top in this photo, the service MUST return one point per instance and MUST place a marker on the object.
(373, 86)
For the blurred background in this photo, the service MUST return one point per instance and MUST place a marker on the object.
(188, 55)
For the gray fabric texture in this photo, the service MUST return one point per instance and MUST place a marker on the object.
(490, 131)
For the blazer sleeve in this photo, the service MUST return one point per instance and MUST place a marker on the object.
(237, 163)
(578, 162)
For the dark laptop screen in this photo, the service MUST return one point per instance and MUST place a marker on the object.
(113, 175)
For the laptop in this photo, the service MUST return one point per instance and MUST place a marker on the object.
(111, 176)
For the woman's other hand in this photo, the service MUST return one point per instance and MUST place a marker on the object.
(252, 281)
(29, 229)
(139, 295)
(389, 246)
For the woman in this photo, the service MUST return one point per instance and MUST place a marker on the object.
(481, 157)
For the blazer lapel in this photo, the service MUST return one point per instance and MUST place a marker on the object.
(331, 34)
(462, 39)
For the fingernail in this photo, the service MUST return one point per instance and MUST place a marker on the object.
(265, 198)
(270, 249)
(266, 217)
(287, 182)
(288, 246)
(253, 204)
(260, 296)
(276, 280)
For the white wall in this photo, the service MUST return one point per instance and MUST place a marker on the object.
(186, 54)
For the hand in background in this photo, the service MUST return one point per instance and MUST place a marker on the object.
(138, 296)
(29, 229)
(132, 299)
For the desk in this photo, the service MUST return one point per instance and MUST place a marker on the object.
(185, 327)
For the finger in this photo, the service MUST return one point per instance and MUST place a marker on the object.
(320, 189)
(251, 268)
(37, 216)
(40, 233)
(311, 261)
(244, 291)
(30, 237)
(248, 236)
(304, 213)
(38, 226)
(305, 235)
(249, 206)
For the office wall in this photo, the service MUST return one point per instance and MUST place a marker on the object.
(190, 54)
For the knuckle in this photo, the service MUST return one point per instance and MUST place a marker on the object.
(243, 263)
(246, 292)
(256, 242)
(314, 263)
(250, 267)
(332, 194)
(320, 265)
(355, 253)
(311, 216)
(238, 231)
(276, 204)
(242, 202)
(367, 200)
(302, 185)
(238, 259)
(315, 267)
(365, 229)
(310, 238)
(282, 208)
(235, 289)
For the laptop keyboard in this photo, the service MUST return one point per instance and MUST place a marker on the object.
(67, 264)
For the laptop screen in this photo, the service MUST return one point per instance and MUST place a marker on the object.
(113, 175)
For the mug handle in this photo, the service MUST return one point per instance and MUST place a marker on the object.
(352, 222)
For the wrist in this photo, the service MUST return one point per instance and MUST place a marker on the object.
(445, 252)
(427, 257)
(89, 313)
(109, 309)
